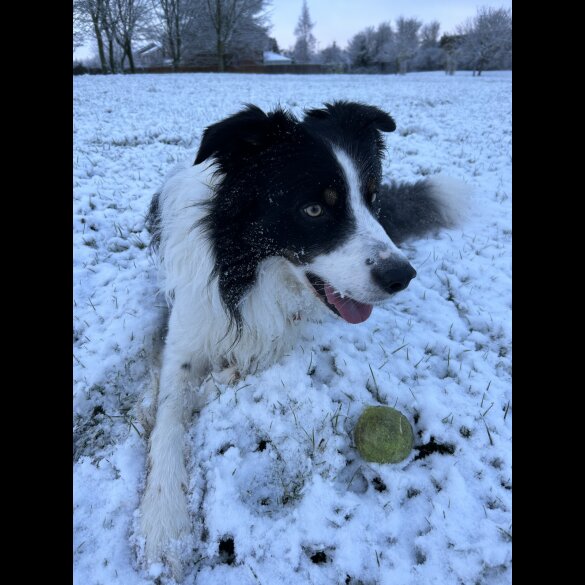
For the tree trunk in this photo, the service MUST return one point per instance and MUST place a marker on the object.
(173, 52)
(177, 60)
(128, 48)
(100, 44)
(177, 54)
(481, 66)
(172, 40)
(220, 55)
(111, 55)
(219, 32)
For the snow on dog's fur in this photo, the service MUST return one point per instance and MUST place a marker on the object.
(279, 221)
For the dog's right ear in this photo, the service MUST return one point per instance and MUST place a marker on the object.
(237, 137)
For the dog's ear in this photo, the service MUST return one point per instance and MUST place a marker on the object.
(352, 116)
(247, 131)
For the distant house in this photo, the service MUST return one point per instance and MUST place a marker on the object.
(150, 55)
(271, 58)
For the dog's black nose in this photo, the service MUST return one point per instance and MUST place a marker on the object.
(393, 276)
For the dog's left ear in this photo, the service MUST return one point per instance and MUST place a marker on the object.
(246, 133)
(352, 116)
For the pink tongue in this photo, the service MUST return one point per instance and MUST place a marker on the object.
(352, 311)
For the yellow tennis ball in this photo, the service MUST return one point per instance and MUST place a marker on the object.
(383, 435)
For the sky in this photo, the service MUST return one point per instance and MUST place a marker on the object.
(339, 20)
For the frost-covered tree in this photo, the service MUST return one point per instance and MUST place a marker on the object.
(333, 56)
(429, 56)
(429, 35)
(406, 41)
(227, 26)
(487, 39)
(373, 49)
(304, 49)
(272, 45)
(250, 39)
(385, 47)
(450, 44)
(362, 49)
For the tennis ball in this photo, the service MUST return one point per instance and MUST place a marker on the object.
(383, 435)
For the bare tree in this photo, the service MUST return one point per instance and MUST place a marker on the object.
(126, 17)
(93, 11)
(305, 45)
(487, 39)
(108, 24)
(176, 18)
(80, 24)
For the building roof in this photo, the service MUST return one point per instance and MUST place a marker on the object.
(270, 57)
(150, 48)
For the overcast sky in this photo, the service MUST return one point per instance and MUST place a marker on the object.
(339, 20)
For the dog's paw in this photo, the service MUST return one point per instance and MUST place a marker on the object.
(145, 409)
(166, 528)
(227, 376)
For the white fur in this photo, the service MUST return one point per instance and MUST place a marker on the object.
(345, 268)
(454, 198)
(200, 341)
(199, 335)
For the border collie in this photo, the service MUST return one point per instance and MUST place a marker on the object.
(286, 222)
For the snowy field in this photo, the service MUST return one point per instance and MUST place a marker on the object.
(277, 491)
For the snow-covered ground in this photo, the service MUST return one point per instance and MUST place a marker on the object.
(273, 470)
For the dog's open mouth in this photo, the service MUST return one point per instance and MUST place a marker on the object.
(343, 306)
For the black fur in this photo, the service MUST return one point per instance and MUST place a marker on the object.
(408, 210)
(271, 167)
(357, 129)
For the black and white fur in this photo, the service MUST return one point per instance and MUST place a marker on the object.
(279, 221)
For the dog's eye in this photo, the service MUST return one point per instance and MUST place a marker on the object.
(313, 210)
(373, 196)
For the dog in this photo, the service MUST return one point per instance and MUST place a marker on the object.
(278, 222)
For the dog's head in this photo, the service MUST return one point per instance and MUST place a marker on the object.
(303, 190)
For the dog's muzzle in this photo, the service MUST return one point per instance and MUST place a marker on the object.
(393, 275)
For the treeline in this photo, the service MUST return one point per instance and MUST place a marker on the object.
(221, 34)
(482, 43)
(178, 32)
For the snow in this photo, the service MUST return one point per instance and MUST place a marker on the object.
(276, 58)
(271, 459)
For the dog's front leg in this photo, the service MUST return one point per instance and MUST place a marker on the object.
(165, 517)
